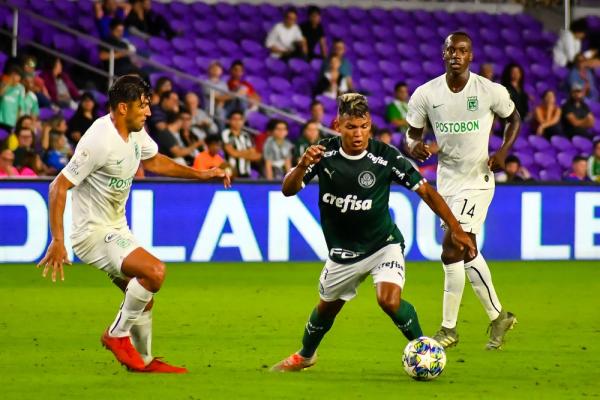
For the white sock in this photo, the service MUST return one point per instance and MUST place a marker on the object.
(136, 299)
(141, 336)
(481, 279)
(454, 284)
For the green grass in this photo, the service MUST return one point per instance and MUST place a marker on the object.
(228, 322)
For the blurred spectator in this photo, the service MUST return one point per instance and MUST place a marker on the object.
(238, 85)
(24, 122)
(310, 136)
(594, 163)
(142, 21)
(55, 157)
(83, 118)
(512, 79)
(31, 165)
(396, 111)
(201, 123)
(7, 168)
(581, 75)
(513, 171)
(61, 88)
(30, 105)
(163, 84)
(238, 146)
(577, 118)
(105, 12)
(385, 136)
(123, 64)
(285, 39)
(338, 49)
(578, 172)
(547, 116)
(59, 127)
(188, 137)
(211, 156)
(39, 87)
(12, 97)
(313, 32)
(277, 152)
(168, 104)
(332, 83)
(215, 73)
(569, 43)
(25, 140)
(261, 138)
(170, 143)
(487, 71)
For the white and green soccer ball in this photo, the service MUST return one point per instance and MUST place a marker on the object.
(424, 359)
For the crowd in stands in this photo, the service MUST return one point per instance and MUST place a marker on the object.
(205, 128)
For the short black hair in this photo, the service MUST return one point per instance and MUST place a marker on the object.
(313, 9)
(172, 117)
(353, 104)
(512, 159)
(236, 63)
(384, 131)
(114, 23)
(15, 69)
(579, 158)
(272, 124)
(165, 95)
(210, 139)
(307, 123)
(463, 34)
(161, 81)
(315, 103)
(399, 85)
(234, 112)
(290, 10)
(579, 25)
(337, 40)
(596, 143)
(127, 89)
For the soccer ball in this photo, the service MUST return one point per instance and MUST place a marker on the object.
(424, 359)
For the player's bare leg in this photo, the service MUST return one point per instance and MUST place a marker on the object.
(454, 284)
(319, 323)
(400, 311)
(481, 280)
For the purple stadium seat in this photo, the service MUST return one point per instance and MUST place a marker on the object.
(403, 32)
(182, 45)
(382, 33)
(561, 143)
(253, 66)
(227, 30)
(301, 102)
(205, 46)
(257, 120)
(276, 66)
(179, 9)
(526, 158)
(363, 49)
(299, 66)
(433, 69)
(565, 158)
(281, 101)
(280, 85)
(387, 51)
(543, 159)
(550, 175)
(46, 113)
(229, 47)
(390, 69)
(251, 30)
(510, 35)
(388, 84)
(538, 142)
(3, 134)
(583, 144)
(494, 53)
(223, 10)
(203, 28)
(316, 64)
(357, 14)
(186, 64)
(411, 68)
(425, 32)
(329, 104)
(65, 43)
(259, 83)
(490, 35)
(370, 85)
(338, 30)
(159, 45)
(253, 48)
(367, 67)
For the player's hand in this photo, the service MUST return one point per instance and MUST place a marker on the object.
(312, 155)
(55, 257)
(463, 242)
(420, 151)
(496, 161)
(224, 174)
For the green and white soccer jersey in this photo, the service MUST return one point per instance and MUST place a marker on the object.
(354, 193)
(462, 123)
(102, 170)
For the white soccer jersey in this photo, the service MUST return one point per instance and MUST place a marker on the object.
(102, 170)
(462, 123)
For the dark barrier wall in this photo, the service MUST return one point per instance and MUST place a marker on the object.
(254, 222)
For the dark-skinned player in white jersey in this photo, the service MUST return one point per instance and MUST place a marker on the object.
(461, 106)
(355, 173)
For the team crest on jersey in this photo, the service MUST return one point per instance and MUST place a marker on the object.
(472, 103)
(366, 179)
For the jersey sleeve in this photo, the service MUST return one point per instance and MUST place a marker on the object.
(149, 146)
(90, 155)
(310, 173)
(417, 110)
(404, 173)
(502, 104)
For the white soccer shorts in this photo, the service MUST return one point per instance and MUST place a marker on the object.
(106, 249)
(340, 281)
(470, 208)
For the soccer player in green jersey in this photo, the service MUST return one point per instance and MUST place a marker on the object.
(355, 174)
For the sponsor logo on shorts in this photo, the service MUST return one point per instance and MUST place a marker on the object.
(110, 237)
(366, 179)
(350, 202)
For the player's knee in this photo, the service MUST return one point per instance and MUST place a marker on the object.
(389, 304)
(451, 253)
(156, 276)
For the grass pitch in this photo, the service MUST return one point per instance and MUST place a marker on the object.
(229, 322)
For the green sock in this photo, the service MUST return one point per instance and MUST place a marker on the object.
(407, 321)
(314, 330)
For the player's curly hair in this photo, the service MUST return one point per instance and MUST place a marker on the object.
(127, 89)
(353, 105)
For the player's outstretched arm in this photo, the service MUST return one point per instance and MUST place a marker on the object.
(163, 165)
(56, 255)
(431, 197)
(414, 139)
(292, 183)
(511, 131)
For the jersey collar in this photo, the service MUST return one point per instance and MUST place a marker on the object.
(349, 157)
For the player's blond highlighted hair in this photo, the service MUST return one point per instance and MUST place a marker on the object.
(352, 105)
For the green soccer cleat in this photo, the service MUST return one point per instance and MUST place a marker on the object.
(447, 337)
(498, 329)
(294, 363)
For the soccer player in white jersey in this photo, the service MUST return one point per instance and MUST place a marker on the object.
(460, 106)
(100, 174)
